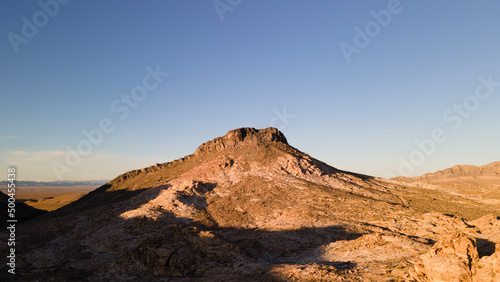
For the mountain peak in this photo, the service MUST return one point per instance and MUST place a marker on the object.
(270, 134)
(235, 137)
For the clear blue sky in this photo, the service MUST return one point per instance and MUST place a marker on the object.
(238, 67)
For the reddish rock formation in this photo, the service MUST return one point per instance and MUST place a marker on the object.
(249, 207)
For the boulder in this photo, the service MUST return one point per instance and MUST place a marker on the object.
(455, 258)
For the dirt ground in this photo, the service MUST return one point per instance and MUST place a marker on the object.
(49, 198)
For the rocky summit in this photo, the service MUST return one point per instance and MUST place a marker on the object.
(250, 207)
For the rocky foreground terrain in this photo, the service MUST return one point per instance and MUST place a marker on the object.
(249, 207)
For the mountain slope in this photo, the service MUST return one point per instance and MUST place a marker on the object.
(230, 159)
(23, 212)
(478, 183)
(246, 206)
(492, 169)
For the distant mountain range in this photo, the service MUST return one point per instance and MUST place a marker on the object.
(478, 183)
(58, 183)
(460, 171)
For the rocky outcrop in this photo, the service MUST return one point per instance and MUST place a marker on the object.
(488, 267)
(185, 250)
(242, 135)
(455, 258)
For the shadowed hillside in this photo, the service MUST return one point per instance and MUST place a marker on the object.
(23, 212)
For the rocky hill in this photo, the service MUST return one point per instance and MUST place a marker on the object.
(248, 206)
(469, 171)
(478, 183)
